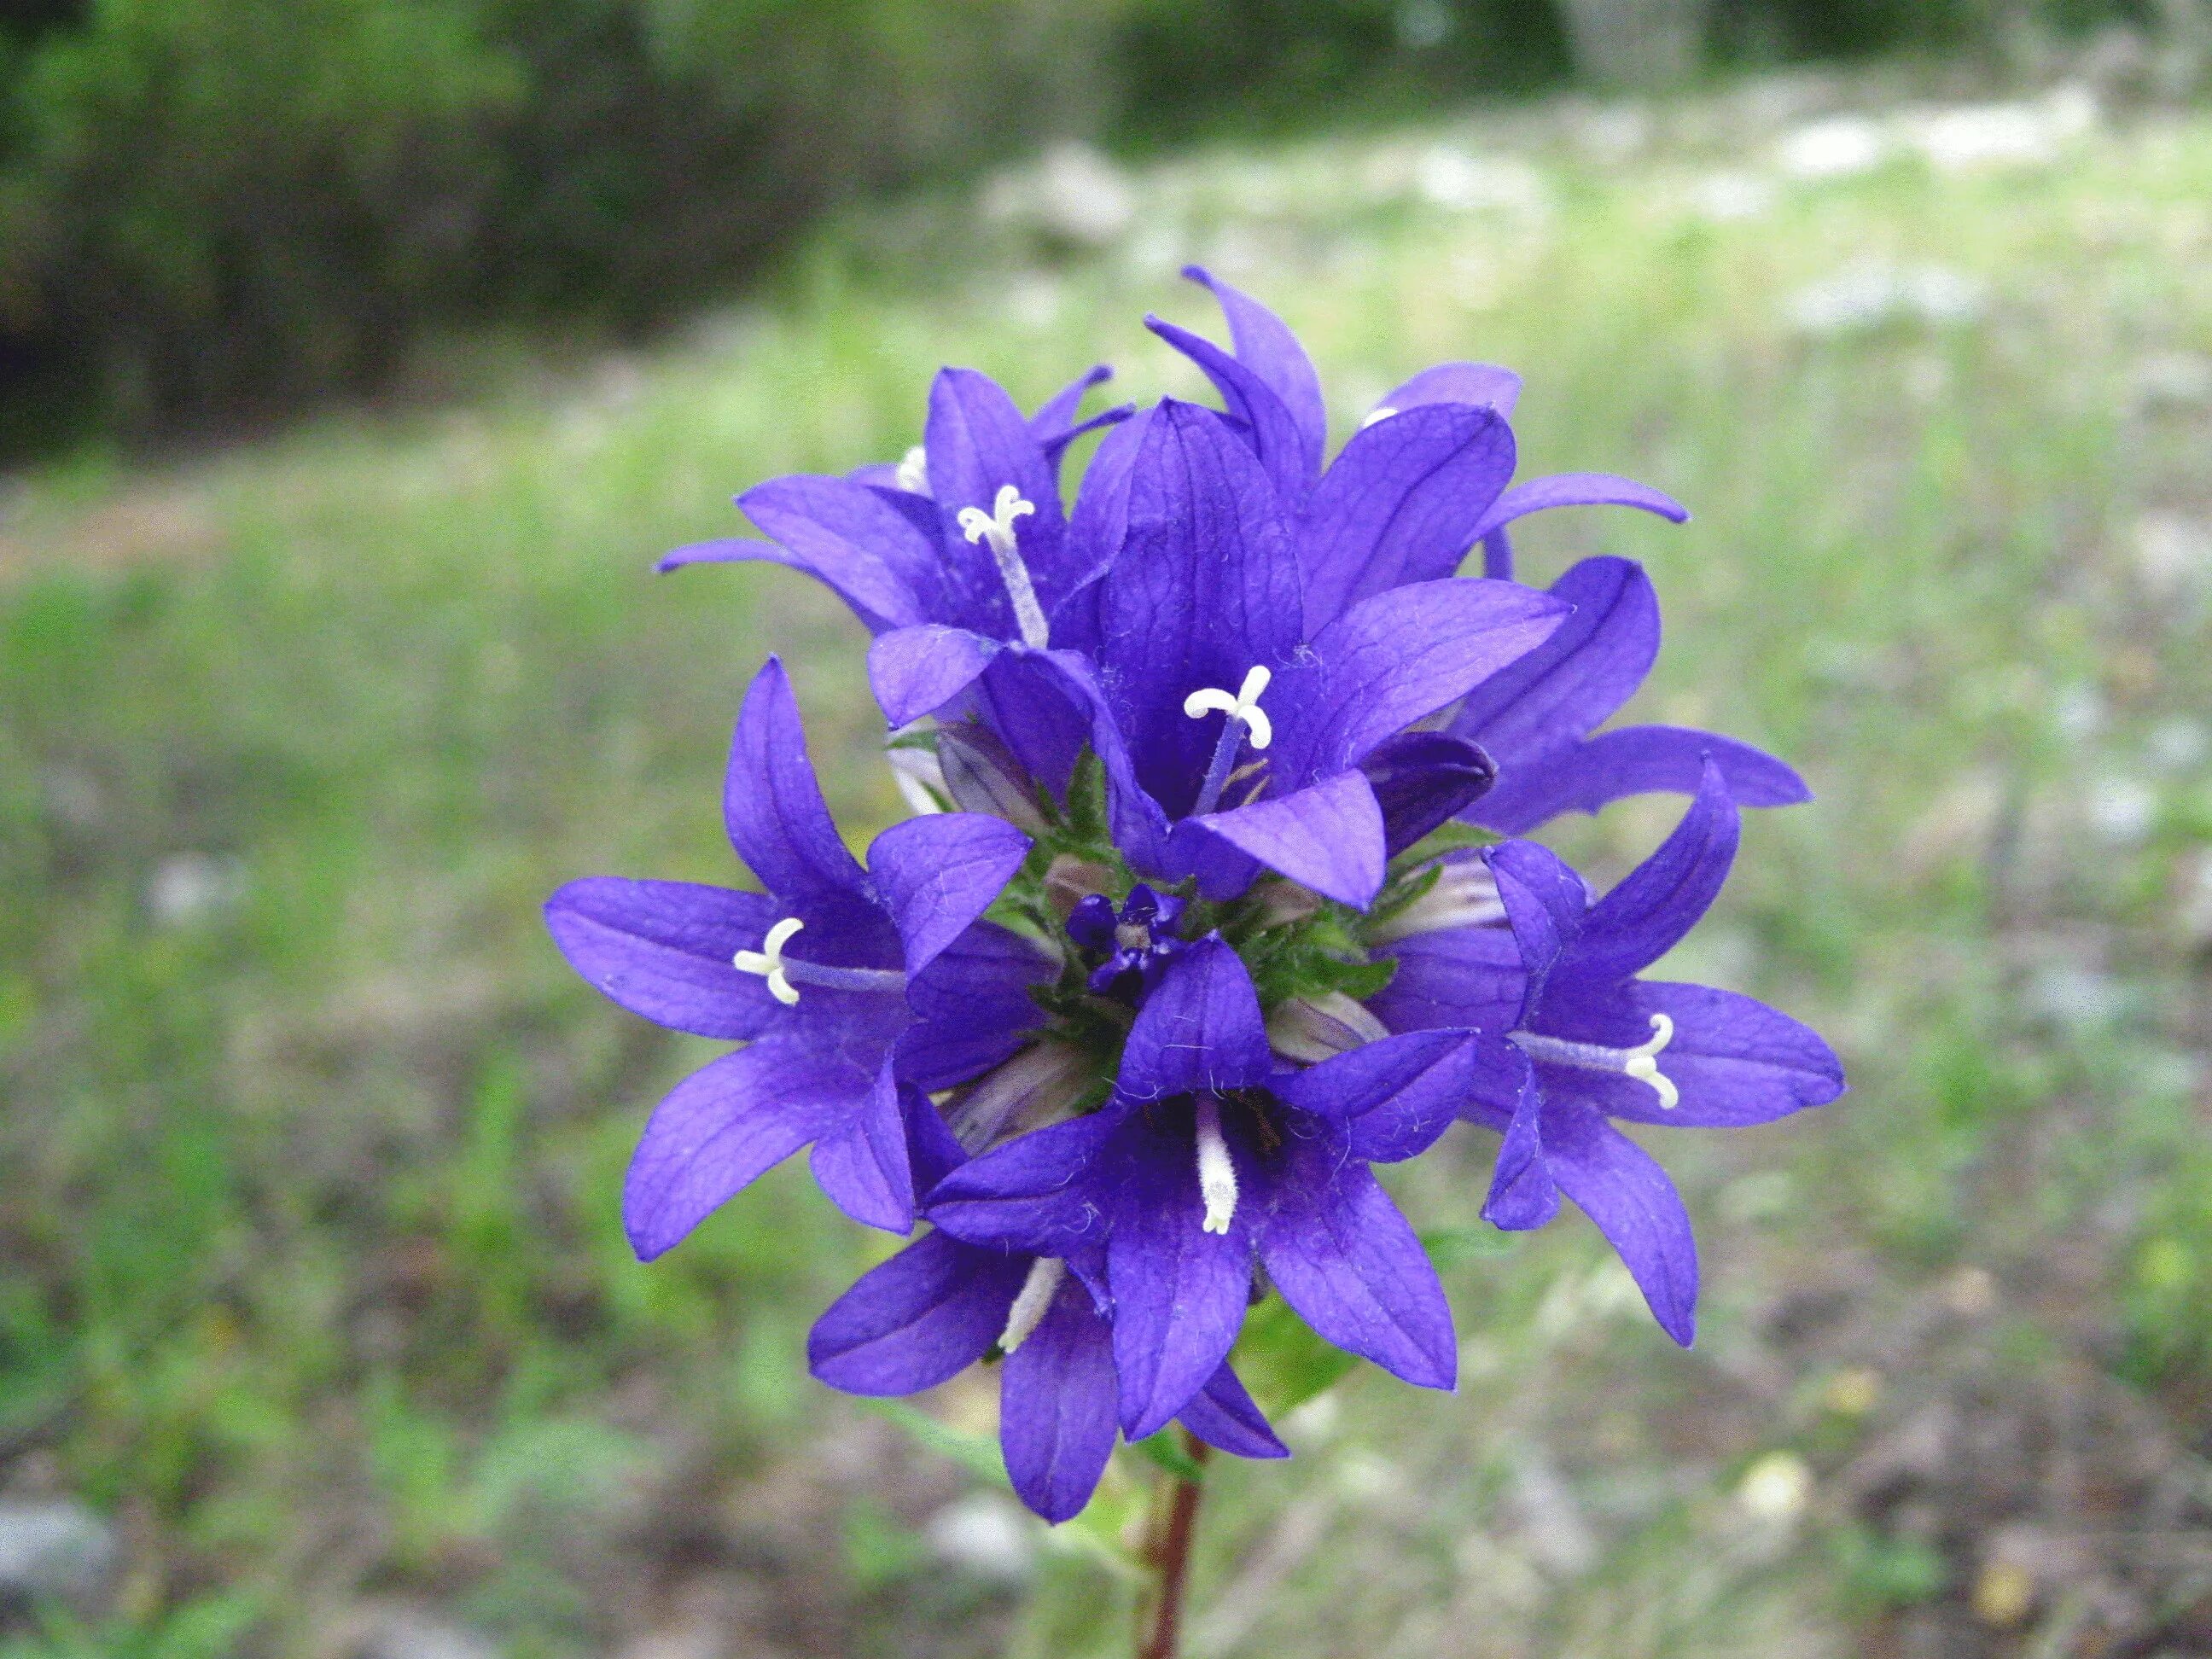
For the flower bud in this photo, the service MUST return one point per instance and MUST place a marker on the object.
(1463, 896)
(919, 779)
(1039, 1085)
(1310, 1029)
(1071, 880)
(983, 775)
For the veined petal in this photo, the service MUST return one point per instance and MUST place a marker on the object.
(1460, 976)
(873, 554)
(1046, 1192)
(938, 874)
(972, 1007)
(1400, 504)
(1661, 900)
(1327, 836)
(1101, 518)
(1224, 1415)
(915, 671)
(1458, 383)
(1618, 1186)
(1343, 1257)
(1635, 760)
(1266, 346)
(978, 444)
(1546, 902)
(861, 1164)
(663, 948)
(1262, 423)
(925, 1316)
(1523, 1193)
(1578, 489)
(1056, 1406)
(727, 1124)
(1565, 687)
(777, 819)
(1396, 657)
(1421, 778)
(1392, 1098)
(1056, 416)
(1735, 1060)
(1200, 1030)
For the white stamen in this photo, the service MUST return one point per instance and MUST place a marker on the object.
(1244, 707)
(1382, 412)
(1640, 1062)
(913, 473)
(768, 961)
(1030, 1305)
(1463, 896)
(1217, 1176)
(996, 529)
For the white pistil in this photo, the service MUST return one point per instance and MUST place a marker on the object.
(1243, 708)
(768, 961)
(1035, 1300)
(1216, 1175)
(1641, 1062)
(996, 528)
(913, 473)
(1382, 412)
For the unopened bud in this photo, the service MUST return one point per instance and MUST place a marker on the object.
(1463, 896)
(1310, 1029)
(1282, 902)
(921, 781)
(1039, 1085)
(981, 775)
(1070, 880)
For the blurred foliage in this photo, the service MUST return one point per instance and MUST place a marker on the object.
(217, 207)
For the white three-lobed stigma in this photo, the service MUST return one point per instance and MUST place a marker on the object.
(767, 961)
(1033, 1302)
(1216, 1174)
(995, 528)
(1641, 1062)
(1244, 707)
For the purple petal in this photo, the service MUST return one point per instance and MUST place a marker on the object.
(662, 949)
(861, 1166)
(1327, 836)
(1179, 1291)
(927, 1313)
(777, 819)
(1101, 519)
(1044, 1191)
(1224, 1415)
(1522, 1194)
(1735, 1061)
(1056, 1406)
(977, 443)
(1056, 416)
(1546, 902)
(725, 1125)
(1635, 760)
(875, 557)
(1392, 1098)
(1266, 345)
(1200, 1030)
(1140, 828)
(1204, 588)
(915, 671)
(1265, 427)
(1027, 705)
(1400, 505)
(1460, 977)
(1661, 900)
(1590, 665)
(1618, 1187)
(931, 1153)
(1396, 657)
(1497, 555)
(938, 874)
(1423, 779)
(1343, 1257)
(972, 1007)
(1578, 489)
(1458, 383)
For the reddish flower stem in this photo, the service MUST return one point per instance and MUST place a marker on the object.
(1168, 1550)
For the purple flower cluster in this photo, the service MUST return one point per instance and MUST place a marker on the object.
(1225, 898)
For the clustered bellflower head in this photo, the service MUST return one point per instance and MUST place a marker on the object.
(1220, 894)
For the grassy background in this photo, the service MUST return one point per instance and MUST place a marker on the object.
(313, 1275)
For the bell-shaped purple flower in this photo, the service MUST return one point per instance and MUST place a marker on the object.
(1211, 1160)
(855, 991)
(940, 1306)
(1557, 987)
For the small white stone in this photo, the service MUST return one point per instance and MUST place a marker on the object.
(984, 1535)
(1776, 1489)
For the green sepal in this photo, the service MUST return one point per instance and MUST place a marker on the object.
(975, 1453)
(1448, 1246)
(1162, 1449)
(1282, 1363)
(1450, 836)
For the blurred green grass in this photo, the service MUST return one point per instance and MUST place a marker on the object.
(313, 1279)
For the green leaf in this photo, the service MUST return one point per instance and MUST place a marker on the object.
(977, 1454)
(1163, 1450)
(1448, 1246)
